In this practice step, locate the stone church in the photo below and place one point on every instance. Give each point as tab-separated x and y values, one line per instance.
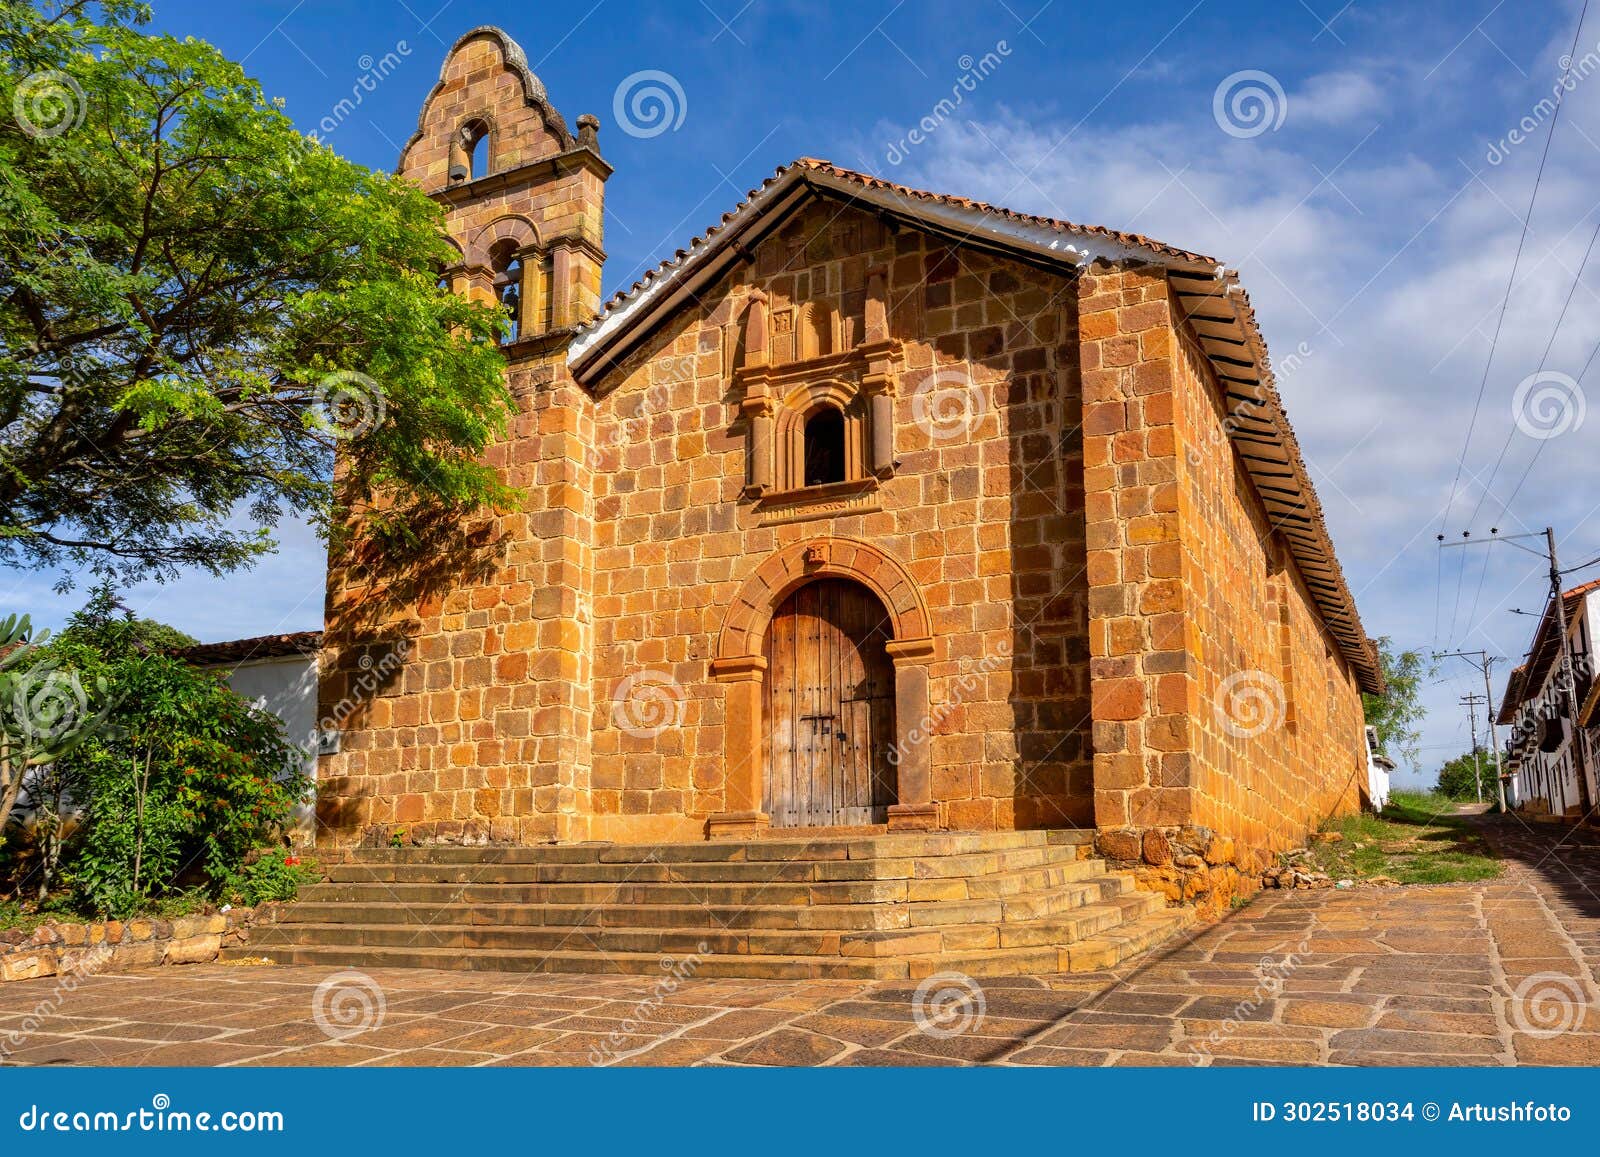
870	511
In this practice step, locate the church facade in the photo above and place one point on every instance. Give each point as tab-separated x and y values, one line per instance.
872	509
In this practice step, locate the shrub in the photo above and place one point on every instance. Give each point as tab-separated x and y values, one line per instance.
181	779
274	874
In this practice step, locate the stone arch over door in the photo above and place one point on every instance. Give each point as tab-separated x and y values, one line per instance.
741	665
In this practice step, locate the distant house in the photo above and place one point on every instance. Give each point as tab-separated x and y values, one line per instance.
1546	742
1379	768
277	673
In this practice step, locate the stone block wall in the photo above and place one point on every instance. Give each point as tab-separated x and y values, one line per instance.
464	705
77	950
1226	722
983	509
462	687
1278	731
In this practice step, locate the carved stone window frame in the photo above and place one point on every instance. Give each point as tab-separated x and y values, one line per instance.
776	400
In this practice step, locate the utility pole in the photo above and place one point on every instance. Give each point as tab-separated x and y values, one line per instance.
1580	758
1472	702
1568	676
1483	661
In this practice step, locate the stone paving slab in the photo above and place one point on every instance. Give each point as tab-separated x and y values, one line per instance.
1501	972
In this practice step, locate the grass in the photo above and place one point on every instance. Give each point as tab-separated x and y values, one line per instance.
16	915
1417	839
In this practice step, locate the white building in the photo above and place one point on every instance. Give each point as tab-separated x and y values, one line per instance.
277	673
1542	760
1379	768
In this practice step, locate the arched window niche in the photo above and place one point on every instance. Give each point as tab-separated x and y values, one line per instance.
472	151
506	266
824	447
821	437
817	408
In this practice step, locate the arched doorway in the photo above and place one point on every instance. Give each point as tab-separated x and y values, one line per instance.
830	708
741	666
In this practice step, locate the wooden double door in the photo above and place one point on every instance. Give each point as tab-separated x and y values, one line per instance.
830	708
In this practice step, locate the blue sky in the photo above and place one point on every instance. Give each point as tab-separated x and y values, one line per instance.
1374	218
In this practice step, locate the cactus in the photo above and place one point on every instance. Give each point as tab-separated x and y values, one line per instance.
44	711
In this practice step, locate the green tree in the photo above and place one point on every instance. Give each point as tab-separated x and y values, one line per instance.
201	306
180	773
190	774
1398	712
1460	777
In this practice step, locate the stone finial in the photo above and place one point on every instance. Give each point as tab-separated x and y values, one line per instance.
589	131
755	329
877	319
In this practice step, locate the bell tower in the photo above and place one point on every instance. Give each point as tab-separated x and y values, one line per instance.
482	730
525	197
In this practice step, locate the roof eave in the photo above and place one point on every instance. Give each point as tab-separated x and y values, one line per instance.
616	333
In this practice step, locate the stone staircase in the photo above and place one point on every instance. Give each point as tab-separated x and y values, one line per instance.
858	907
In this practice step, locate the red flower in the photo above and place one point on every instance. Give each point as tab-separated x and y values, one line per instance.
291	861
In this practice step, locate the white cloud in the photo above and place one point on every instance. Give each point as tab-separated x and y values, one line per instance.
1389	266
1337	98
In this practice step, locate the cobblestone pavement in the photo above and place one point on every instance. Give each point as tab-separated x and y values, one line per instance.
1496	973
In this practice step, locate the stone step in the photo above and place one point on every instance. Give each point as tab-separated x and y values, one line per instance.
578	960
370	865
485	905
1049	947
838	905
747	871
1105	950
530	884
1127	940
787	848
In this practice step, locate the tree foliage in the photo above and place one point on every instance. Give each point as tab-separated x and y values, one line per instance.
200	306
1398	713
175	778
1461	777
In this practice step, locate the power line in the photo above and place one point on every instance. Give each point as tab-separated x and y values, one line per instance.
1543	358
1539	449
1494	342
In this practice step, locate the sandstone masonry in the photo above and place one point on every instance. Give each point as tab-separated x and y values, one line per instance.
1010	439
